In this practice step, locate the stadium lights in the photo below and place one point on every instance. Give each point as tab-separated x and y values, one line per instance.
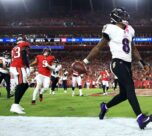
10	0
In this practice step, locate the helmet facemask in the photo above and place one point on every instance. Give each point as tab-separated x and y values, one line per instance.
119	15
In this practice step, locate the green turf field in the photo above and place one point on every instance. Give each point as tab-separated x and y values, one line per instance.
61	105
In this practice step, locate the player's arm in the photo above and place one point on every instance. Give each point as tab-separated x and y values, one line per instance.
25	58
96	50
98	79
1	63
33	63
51	67
136	55
107	73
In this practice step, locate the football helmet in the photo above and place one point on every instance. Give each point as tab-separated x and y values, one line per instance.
119	15
6	55
56	61
21	38
46	51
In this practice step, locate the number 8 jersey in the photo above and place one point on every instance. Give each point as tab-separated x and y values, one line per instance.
120	41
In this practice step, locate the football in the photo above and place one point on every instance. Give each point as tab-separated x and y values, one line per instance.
79	67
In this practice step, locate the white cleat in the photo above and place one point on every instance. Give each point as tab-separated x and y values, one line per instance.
15	108
21	108
105	93
73	94
65	91
53	92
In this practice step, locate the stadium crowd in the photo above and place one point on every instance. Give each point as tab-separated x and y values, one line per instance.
67	19
141	79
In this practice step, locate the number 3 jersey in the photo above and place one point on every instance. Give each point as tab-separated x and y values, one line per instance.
41	60
120	41
17	56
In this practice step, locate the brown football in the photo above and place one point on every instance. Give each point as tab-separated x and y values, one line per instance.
79	67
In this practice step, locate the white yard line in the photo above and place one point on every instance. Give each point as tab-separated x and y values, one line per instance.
70	126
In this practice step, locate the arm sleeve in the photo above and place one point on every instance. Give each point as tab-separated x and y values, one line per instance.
106	31
25	58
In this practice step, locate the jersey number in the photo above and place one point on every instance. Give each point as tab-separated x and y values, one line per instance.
126	47
16	52
43	63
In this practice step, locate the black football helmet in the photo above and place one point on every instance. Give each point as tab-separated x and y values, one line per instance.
57	61
119	15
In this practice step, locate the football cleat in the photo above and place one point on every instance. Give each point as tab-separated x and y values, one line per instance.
73	93
143	120
41	97
103	111
33	102
15	108
9	96
21	108
53	92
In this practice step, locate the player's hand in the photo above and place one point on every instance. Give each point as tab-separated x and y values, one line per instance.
31	69
146	68
46	64
28	72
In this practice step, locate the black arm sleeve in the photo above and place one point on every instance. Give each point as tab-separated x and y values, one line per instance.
25	58
106	36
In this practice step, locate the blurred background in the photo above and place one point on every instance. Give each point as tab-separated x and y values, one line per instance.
71	28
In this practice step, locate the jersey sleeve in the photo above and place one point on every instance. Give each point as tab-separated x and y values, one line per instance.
53	58
107	29
37	58
132	31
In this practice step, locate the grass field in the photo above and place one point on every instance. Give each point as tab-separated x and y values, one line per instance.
64	105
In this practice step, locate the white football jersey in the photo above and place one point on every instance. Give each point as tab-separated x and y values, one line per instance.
120	41
65	75
55	70
5	65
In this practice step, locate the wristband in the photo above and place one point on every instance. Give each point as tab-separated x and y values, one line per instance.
86	61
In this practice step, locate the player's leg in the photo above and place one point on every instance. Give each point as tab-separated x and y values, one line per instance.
65	86
53	85
73	84
104	87
20	76
131	96
24	83
46	84
1	78
114	101
39	83
79	81
125	80
7	80
107	86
